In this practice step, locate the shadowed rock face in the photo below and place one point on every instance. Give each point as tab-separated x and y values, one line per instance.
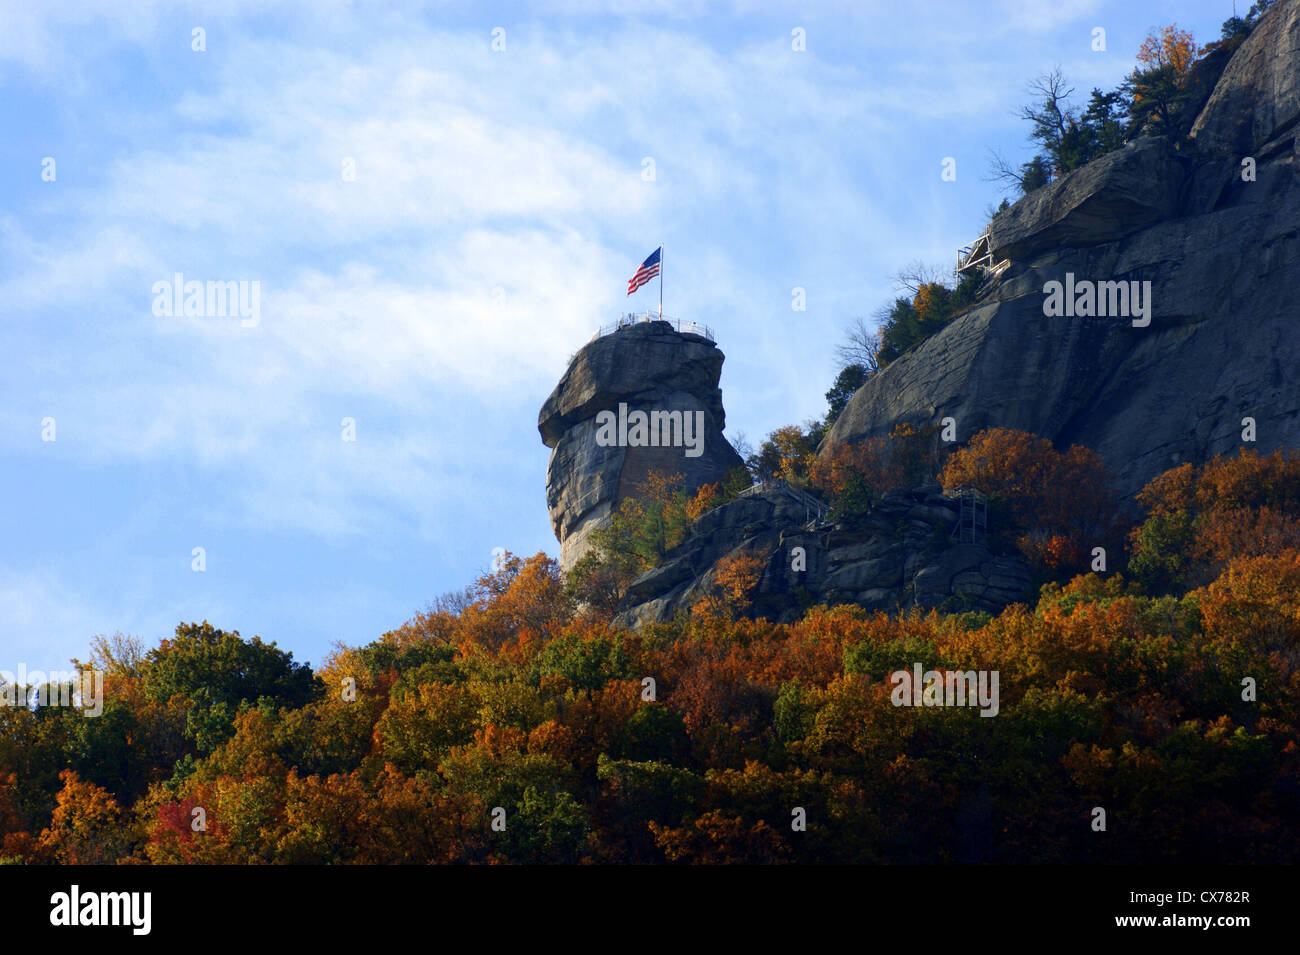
900	556
1223	259
649	367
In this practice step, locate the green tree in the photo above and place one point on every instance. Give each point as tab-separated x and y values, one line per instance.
1236	26
547	827
217	672
656	732
1101	127
584	662
847	382
230	669
1034	175
933	306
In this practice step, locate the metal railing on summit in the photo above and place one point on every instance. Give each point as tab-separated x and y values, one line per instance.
634	318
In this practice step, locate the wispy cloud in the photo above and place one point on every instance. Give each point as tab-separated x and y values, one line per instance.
498	206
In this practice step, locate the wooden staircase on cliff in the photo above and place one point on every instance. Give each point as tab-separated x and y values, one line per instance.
815	512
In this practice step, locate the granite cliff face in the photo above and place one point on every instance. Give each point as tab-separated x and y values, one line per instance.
1222	254
648	367
1207	231
902	555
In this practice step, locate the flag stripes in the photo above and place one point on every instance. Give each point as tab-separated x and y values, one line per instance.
648	270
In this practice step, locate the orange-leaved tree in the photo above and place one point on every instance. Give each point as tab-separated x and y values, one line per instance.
1168	47
1200	518
1158	84
1055	506
735	578
853	475
88	827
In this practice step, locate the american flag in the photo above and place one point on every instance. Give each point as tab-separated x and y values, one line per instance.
648	270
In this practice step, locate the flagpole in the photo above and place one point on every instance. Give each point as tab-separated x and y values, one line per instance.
661	282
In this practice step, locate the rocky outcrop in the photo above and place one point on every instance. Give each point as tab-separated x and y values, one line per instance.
1116	195
1258	96
1206	229
900	555
1221	254
646	367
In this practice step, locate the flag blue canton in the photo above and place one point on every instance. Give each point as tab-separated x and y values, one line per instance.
648	270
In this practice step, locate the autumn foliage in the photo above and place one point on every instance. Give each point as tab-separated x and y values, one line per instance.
702	740
1169	48
645	527
1198	519
1056	506
731	590
852	476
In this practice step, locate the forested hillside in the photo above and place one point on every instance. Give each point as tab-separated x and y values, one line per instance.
512	723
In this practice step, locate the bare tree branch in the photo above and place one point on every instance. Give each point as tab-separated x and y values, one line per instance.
1001	170
742	446
861	342
912	276
1051	115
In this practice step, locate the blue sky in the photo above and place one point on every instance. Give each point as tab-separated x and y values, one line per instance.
498	209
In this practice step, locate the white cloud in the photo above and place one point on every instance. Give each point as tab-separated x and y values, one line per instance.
497	209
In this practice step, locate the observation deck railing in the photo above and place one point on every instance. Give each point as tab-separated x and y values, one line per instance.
978	257
633	318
